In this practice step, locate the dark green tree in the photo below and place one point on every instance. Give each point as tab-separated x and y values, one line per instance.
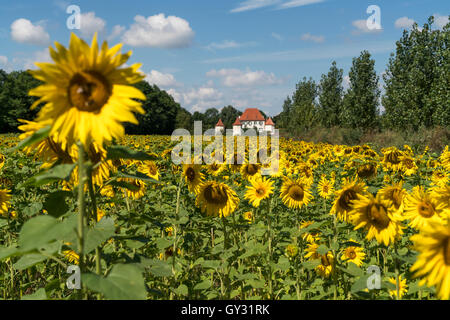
15	102
330	96
303	112
210	118
228	115
160	112
184	120
362	99
417	79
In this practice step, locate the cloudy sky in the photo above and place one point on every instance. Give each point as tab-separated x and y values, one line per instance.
212	53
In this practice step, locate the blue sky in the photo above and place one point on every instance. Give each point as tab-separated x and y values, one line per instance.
211	53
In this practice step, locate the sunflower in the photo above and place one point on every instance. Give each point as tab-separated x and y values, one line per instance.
192	176
71	256
392	158
248	216
260	189
149	168
311	251
367	170
403	287
343	202
291	250
215	169
440	177
325	268
4	201
295	193
138	188
433	262
408	166
353	254
311	236
86	95
378	216
442	195
2	161
394	193
216	199
250	170
325	188
421	208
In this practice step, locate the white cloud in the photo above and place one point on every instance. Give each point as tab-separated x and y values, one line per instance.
236	77
23	31
276	36
3	61
163	80
440	21
38	56
361	27
175	94
346	82
228	44
91	24
404	23
203	98
116	31
310	37
159	31
298	3
253	4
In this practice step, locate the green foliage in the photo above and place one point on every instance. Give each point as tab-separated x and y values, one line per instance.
417	79
361	100
330	97
15	102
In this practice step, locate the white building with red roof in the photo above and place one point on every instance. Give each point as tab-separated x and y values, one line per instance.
250	119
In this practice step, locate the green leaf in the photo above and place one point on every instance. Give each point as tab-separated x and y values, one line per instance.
158	268
59	172
29	260
322	249
360	284
309	265
205	284
124	282
55	204
7	252
138	175
182	290
122	152
102	231
34	232
36	137
124	185
40	294
163	243
33	209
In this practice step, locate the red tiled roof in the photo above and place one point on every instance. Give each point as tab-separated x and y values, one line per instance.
219	123
237	122
252	114
269	122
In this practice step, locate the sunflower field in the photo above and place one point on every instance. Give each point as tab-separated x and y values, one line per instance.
332	222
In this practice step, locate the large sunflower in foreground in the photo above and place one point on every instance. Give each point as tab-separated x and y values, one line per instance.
216	199
4	201
422	208
343	201
378	217
295	193
260	189
433	262
86	95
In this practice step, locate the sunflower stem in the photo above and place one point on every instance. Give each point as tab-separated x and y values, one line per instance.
98	266
81	205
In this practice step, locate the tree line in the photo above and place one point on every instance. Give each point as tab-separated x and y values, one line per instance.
416	94
416	83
